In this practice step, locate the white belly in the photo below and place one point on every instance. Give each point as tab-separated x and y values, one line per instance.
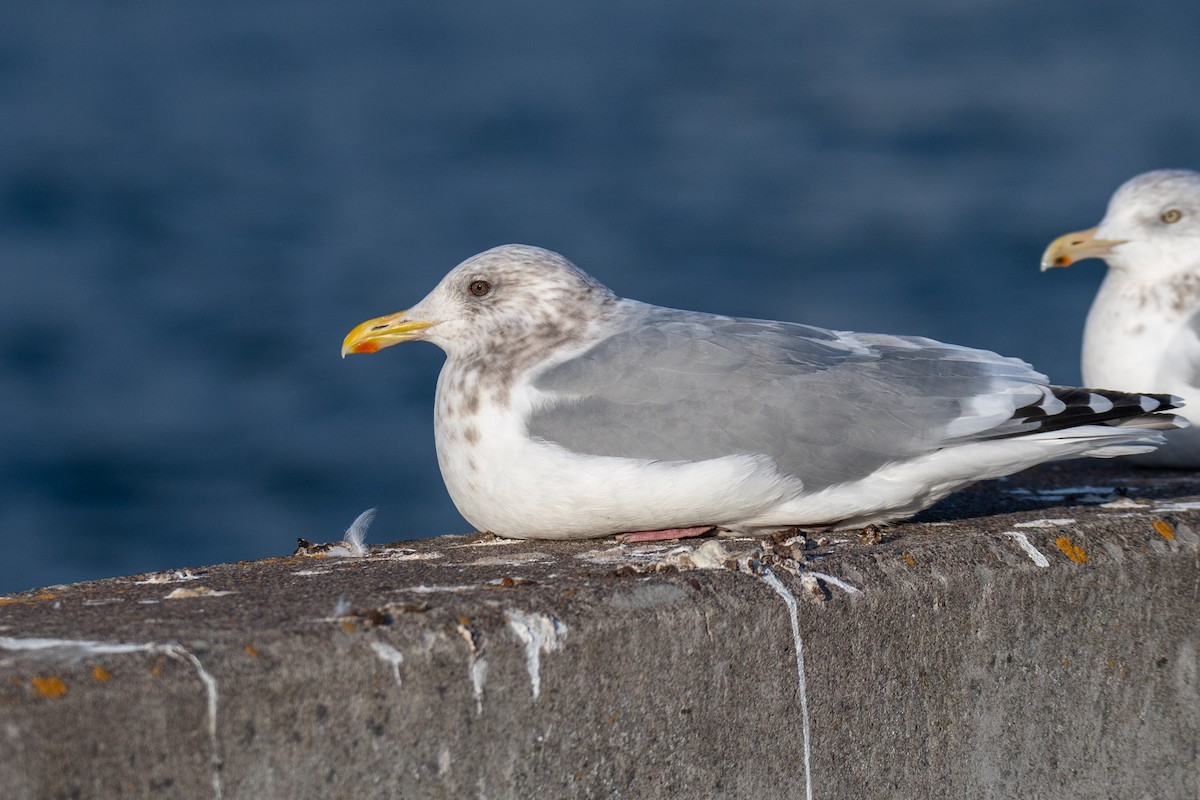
1137	342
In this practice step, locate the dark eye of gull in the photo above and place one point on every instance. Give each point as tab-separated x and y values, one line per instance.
1171	215
479	288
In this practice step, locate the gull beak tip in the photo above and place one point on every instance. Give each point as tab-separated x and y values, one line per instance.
375	334
1072	247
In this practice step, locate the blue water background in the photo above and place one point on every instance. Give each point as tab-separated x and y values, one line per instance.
198	200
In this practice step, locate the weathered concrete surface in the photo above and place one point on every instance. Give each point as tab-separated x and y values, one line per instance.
947	664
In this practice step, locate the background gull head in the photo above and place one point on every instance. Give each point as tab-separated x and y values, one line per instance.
1143	330
1151	229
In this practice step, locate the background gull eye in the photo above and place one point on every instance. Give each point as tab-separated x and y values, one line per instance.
479	288
1171	215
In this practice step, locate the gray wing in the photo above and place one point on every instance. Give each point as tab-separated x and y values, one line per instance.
827	406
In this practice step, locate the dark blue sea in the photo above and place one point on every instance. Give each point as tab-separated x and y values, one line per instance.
198	201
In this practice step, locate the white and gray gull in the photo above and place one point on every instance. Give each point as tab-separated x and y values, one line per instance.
566	412
1143	330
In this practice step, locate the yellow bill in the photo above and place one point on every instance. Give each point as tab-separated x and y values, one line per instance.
1069	248
376	334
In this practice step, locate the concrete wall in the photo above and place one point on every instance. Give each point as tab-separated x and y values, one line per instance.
1022	641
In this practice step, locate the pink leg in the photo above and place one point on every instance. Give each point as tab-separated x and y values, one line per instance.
669	533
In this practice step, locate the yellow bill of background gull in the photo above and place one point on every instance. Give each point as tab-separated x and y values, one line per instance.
565	412
1143	330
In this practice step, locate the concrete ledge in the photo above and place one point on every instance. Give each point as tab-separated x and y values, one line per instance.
1029	638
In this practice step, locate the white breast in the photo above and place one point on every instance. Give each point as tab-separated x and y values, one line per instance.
1137	339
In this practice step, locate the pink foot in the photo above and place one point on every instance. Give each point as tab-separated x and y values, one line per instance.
669	533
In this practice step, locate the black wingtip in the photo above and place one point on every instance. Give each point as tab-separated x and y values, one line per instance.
1071	406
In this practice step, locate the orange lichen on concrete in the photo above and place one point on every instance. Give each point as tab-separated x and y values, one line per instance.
908	559
251	650
49	687
1165	529
101	675
1072	551
37	598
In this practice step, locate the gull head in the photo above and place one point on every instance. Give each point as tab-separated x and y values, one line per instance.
499	300
1151	228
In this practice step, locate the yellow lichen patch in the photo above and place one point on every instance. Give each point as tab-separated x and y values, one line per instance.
101	675
1072	551
157	669
349	627
49	687
37	598
908	559
1165	529
251	650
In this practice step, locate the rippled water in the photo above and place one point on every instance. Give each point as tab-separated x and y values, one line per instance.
197	201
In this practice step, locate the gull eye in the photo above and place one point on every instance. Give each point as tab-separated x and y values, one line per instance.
1171	216
479	288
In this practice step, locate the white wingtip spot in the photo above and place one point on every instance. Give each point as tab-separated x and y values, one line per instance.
1050	403
1099	403
1148	403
